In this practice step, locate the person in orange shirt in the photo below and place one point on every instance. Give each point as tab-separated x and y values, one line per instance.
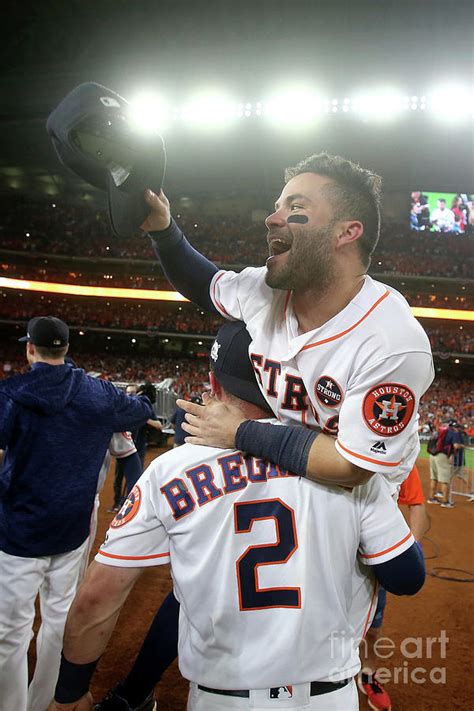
411	495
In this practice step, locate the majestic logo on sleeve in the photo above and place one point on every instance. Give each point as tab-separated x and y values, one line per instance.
388	408
328	392
129	509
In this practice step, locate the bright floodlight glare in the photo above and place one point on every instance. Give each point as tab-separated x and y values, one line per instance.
148	113
293	108
381	105
451	103
212	110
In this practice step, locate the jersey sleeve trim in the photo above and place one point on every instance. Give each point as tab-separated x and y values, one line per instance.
132	557
351	328
387	550
217	303
366	459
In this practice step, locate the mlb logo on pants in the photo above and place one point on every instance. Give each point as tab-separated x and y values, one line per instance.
281	692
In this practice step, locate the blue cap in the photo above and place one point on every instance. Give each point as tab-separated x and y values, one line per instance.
93	136
47	331
231	364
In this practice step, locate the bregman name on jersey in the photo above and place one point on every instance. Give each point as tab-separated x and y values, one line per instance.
235	471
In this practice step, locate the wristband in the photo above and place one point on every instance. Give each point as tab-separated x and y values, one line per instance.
286	446
73	680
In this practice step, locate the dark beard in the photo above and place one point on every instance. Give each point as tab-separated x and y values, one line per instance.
310	264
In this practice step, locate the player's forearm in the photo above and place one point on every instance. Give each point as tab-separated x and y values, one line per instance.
418	521
187	269
89	626
90	623
300	451
95	609
327	466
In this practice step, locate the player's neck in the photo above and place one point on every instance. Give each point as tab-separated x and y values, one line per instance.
314	308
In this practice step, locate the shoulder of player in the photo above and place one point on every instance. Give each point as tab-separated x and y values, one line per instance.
249	277
394	328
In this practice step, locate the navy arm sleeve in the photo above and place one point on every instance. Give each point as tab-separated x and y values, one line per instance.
403	575
129	411
187	269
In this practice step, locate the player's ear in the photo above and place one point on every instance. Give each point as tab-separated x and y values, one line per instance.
216	388
349	233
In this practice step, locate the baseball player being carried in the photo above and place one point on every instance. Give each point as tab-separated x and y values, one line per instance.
333	349
276	575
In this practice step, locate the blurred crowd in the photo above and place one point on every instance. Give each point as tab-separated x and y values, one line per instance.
446	337
160	317
52	228
448	397
189	375
55	229
152	316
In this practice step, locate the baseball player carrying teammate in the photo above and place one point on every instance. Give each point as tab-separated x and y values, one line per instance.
333	349
274	573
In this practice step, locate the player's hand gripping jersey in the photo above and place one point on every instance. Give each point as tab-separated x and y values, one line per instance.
360	376
262	563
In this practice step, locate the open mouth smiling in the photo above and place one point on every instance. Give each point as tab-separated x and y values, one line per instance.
277	246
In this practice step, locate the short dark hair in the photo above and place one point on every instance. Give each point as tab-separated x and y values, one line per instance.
52	353
355	195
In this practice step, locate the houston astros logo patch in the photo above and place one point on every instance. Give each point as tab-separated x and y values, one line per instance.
388	408
328	392
129	508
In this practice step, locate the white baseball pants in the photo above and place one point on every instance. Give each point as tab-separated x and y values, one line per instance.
55	579
345	699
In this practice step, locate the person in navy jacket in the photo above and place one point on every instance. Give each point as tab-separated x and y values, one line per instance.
55	426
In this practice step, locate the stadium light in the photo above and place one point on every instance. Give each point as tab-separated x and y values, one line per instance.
292	108
451	102
97	291
149	113
212	109
383	105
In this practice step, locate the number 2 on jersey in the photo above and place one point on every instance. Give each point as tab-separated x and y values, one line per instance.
251	597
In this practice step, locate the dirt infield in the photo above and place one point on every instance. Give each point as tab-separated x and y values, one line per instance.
427	671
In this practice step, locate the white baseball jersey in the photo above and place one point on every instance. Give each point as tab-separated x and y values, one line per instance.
361	375
268	568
